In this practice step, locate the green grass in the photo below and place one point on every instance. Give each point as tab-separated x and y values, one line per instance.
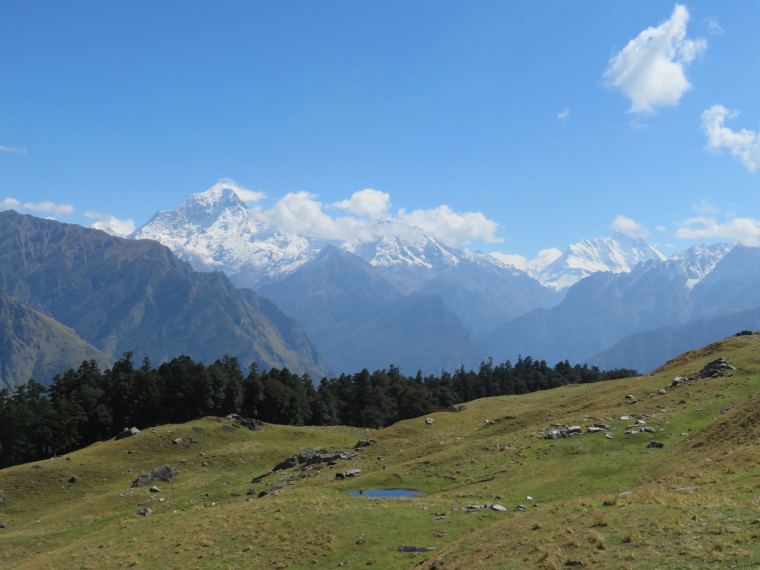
458	460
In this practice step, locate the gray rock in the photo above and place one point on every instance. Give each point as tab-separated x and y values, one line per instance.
145	512
177	441
648	429
429	421
498	508
3	525
154	489
72	480
127	432
1	497
163	473
352	472
655	444
406	548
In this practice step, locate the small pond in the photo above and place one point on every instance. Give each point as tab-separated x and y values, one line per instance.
403	493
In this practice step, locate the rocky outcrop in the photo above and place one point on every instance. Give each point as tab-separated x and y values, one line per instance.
163	473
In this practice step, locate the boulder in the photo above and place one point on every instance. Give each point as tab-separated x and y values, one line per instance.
127	432
163	473
145	512
655	444
429	421
498	508
352	472
406	548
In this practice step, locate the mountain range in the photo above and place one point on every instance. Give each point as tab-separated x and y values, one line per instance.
355	299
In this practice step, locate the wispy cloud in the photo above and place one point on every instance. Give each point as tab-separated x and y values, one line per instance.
10	204
243	193
744	230
12	149
110	224
743	144
50	207
650	69
714	28
629	227
564	114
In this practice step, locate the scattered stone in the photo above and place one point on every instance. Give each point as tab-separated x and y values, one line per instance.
73	480
655	444
154	489
429	421
608	435
685	489
630	397
648	429
247	423
406	548
145	512
441	517
594	429
352	472
498	508
625	418
625	494
177	441
724	410
127	432
251	492
574	563
662	391
1	497
521	508
362	443
192	440
314	456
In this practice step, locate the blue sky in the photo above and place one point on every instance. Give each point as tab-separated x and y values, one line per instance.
512	127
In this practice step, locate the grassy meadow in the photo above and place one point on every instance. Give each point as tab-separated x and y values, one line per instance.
693	503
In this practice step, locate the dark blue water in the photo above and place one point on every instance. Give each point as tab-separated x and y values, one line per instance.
386	493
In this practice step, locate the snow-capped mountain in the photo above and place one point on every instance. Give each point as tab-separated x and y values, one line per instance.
618	254
214	231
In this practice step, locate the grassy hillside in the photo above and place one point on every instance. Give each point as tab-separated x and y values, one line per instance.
692	503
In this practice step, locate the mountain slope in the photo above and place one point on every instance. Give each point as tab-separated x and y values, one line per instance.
34	346
123	295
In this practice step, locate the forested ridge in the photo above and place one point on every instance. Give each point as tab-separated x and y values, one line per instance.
86	405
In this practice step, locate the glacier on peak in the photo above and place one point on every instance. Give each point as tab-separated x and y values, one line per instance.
617	254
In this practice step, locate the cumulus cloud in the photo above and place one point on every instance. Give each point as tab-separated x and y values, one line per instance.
302	213
628	227
11	149
650	70
544	258
243	193
10	204
743	144
51	207
744	230
111	224
367	202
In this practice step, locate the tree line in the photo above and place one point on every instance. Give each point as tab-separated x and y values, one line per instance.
86	405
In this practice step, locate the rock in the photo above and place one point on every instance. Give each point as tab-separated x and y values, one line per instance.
574	563
498	508
192	440
684	489
417	548
574	429
724	410
608	435
154	489
127	432
145	512
630	397
314	456
163	473
648	429
429	421
72	480
553	434
177	441
1	497
662	391
593	429
362	443
655	444
625	494
352	472
3	525
625	418
521	508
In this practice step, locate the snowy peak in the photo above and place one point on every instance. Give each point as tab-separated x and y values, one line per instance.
618	254
699	260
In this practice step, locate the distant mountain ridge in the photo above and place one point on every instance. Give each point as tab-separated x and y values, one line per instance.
596	294
122	295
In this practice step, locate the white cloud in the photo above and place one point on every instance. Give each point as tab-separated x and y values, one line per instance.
628	227
513	259
302	213
450	226
744	230
743	144
61	209
10	204
714	27
705	208
243	193
11	149
661	229
366	202
564	114
650	69
111	224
